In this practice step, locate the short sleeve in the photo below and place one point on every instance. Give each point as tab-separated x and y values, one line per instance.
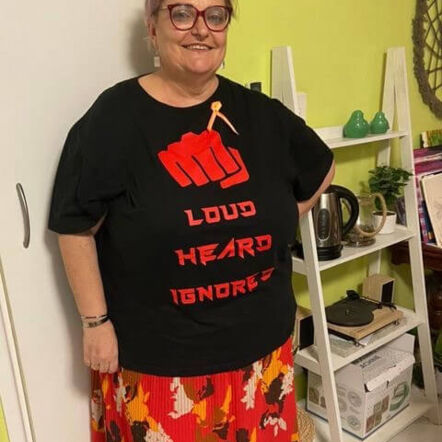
311	158
90	173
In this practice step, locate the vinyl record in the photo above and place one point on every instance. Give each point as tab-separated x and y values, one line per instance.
349	314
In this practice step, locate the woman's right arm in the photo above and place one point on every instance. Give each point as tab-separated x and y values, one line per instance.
79	253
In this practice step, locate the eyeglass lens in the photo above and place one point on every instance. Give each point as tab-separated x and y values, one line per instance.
185	16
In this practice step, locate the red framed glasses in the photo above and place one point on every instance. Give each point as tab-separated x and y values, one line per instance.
184	16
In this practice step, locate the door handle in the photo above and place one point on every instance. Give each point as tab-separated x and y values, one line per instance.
24	206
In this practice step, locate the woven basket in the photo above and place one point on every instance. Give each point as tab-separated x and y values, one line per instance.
305	426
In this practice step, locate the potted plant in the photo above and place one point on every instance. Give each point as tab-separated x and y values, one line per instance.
389	181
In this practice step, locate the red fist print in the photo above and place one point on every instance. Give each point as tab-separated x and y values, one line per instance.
200	159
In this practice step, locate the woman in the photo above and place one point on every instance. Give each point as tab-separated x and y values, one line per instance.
176	200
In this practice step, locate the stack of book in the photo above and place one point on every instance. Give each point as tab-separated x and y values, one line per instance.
428	175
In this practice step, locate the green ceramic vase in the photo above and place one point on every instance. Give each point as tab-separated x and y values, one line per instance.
356	126
379	124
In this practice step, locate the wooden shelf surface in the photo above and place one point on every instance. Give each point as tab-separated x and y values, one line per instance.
349	253
308	357
334	139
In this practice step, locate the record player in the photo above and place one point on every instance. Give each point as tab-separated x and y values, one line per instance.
355	317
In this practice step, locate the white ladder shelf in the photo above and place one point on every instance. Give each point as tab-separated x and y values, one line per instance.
319	358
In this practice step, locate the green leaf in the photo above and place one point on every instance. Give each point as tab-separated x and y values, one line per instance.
389	181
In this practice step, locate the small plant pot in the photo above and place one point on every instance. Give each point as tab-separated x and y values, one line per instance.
390	222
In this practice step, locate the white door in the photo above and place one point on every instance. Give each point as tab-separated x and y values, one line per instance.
56	56
12	396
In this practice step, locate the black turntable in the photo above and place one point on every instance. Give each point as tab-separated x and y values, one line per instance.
355	317
352	311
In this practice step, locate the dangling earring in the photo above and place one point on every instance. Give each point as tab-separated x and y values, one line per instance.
156	56
153	51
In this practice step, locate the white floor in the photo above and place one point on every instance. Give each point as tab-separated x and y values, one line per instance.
422	431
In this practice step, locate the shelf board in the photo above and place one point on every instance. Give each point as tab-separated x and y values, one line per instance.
349	253
417	408
334	139
308	357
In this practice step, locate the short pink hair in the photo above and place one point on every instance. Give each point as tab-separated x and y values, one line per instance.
151	8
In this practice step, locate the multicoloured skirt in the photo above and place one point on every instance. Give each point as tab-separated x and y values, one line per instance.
252	404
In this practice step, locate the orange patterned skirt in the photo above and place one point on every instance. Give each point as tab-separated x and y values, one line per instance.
252	404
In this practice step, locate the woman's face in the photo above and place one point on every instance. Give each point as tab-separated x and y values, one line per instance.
198	51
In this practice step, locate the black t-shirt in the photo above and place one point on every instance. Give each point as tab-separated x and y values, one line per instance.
194	251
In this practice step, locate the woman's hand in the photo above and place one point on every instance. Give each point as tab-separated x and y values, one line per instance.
100	348
305	206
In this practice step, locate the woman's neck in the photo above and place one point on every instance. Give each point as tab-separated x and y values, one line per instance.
178	90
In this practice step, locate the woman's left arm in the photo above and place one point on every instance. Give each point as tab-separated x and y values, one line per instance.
305	206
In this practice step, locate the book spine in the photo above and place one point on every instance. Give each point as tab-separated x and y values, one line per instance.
428	167
420	209
430	232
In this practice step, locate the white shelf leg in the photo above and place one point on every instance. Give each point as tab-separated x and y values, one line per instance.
388	106
426	352
320	325
374	263
416	262
283	78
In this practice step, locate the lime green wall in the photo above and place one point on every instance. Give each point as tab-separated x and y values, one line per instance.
3	432
339	54
338	49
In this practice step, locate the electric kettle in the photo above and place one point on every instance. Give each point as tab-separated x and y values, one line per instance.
330	228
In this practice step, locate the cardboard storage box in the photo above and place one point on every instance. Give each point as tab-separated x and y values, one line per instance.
370	390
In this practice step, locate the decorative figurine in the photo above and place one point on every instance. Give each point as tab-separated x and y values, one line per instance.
379	124
356	126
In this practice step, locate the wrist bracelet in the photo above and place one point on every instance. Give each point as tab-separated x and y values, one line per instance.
95	323
93	317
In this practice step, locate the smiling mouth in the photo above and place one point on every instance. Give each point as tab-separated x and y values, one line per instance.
197	47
